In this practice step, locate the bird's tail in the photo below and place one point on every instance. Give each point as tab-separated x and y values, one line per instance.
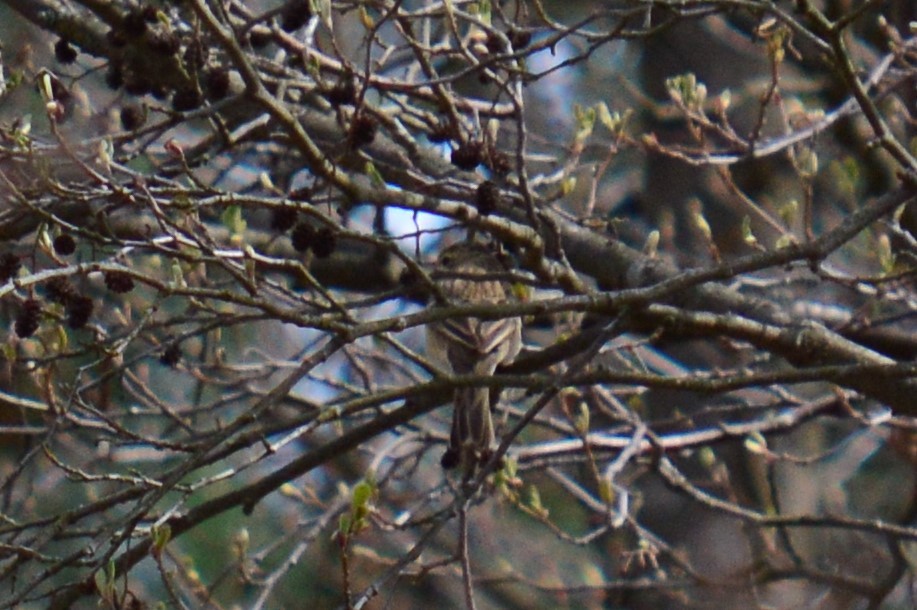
472	436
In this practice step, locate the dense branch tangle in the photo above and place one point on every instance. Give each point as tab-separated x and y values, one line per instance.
216	248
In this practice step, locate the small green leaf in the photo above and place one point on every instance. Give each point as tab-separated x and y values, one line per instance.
747	234
534	501
240	542
232	219
784	241
102	585
511	466
344	524
700	221
484	11
362	494
852	169
777	40
161	535
789	211
886	256
651	245
567	185
706	457
322	8
313	67
807	162
106	150
606	491
366	19
685	90
46	91
44	237
585	122
582	419
178	277
62	340
374	176
605	116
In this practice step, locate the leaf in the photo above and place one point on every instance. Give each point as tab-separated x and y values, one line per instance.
366	19
807	162
700	221
161	535
484	11
651	245
322	8
178	276
567	185
606	491
706	457
241	542
344	525
605	116
585	122
362	494
747	234
232	219
62	339
534	500
44	237
886	256
582	419
374	176
46	90
785	240
106	151
102	585
789	212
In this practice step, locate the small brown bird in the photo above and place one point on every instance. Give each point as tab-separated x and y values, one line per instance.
471	346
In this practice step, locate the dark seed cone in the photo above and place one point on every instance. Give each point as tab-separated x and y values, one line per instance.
79	310
119	282
27	322
467	156
59	290
132	117
487	197
9	266
295	15
216	82
186	99
303	236
135	24
171	355
64	52
363	130
325	242
114	78
164	43
283	219
64	244
344	92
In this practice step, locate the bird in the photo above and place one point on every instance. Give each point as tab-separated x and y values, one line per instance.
472	346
